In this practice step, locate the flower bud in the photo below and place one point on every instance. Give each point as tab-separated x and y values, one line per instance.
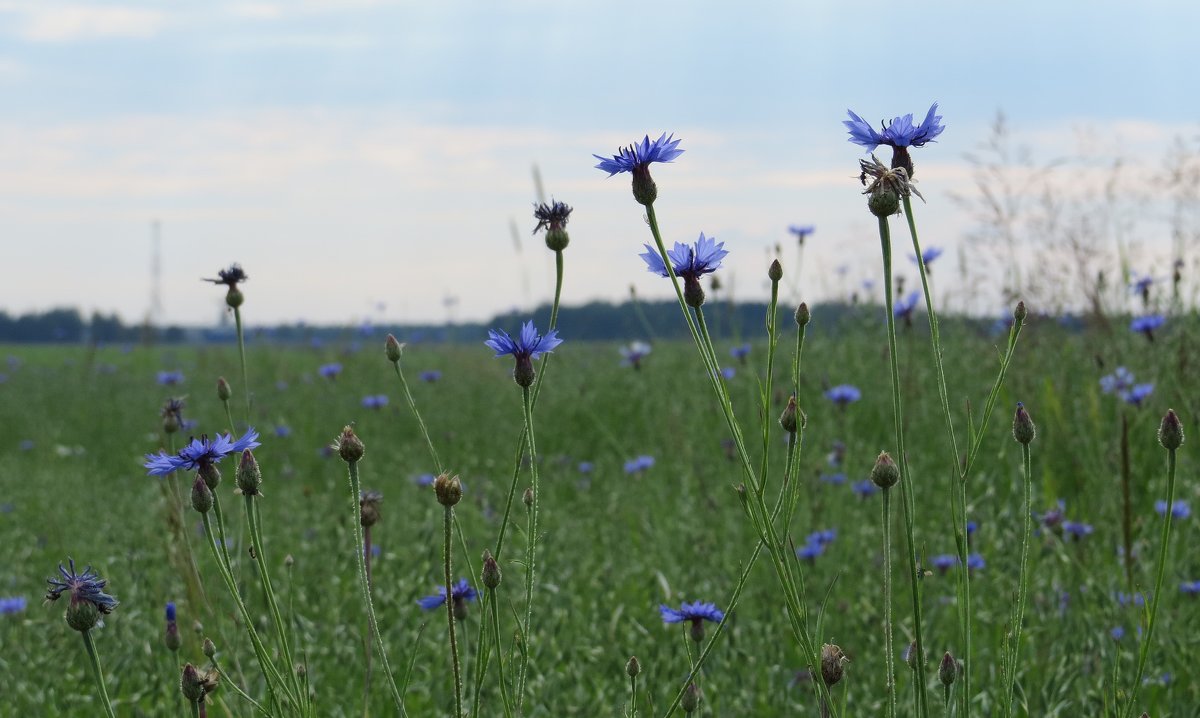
209	648
633	667
170	422
884	203
234	297
392	348
191	685
691	698
491	570
788	418
644	189
1023	429
911	656
224	391
775	271
802	314
557	239
249	476
1170	432
202	496
833	663
1019	313
171	637
82	614
947	670
289	560
693	293
523	372
448	489
349	446
527	497
368	508
885	474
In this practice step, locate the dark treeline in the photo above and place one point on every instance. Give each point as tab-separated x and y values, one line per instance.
593	321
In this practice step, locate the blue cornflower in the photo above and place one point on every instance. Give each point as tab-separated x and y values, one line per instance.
86	591
740	352
837	455
633	354
377	401
460	591
821	537
903	308
810	551
835	479
801	231
972	527
1125	599
1076	530
200	452
944	562
25	445
975	562
927	256
424	480
1141	285
898	133
430	376
1118	382
1117	633
843	394
865	488
1188	588
283	431
170	612
12	604
586	467
1137	394
1052	518
728	372
639	464
1179	508
690	263
1147	324
170	378
694	612
528	345
330	371
636	157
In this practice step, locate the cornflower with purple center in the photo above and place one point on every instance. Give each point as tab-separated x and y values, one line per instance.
975	562
899	134
695	613
86	591
689	263
1119	382
377	401
430	376
903	308
1137	394
1147	324
170	378
528	345
639	464
330	371
12	604
865	488
943	562
1179	509
927	256
843	394
633	354
801	231
740	352
636	159
1076	530
200	453
460	593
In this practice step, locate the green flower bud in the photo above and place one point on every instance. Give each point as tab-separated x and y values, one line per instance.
491	570
82	614
224	391
691	698
833	663
557	239
802	314
775	271
202	496
1020	313
249	476
884	203
1023	429
392	348
788	418
527	497
209	648
1170	432
633	667
947	670
885	474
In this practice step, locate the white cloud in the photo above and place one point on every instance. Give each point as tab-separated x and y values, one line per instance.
65	23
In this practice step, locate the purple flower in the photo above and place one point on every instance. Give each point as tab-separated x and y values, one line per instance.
1179	508
638	156
378	401
461	591
694	612
229	277
13	604
944	562
1125	599
170	378
690	263
86	586
1137	394
975	562
903	308
1189	588
865	488
810	551
728	372
200	452
528	344
1054	517
1148	323
1117	633
170	612
1119	382
1076	530
801	231
927	256
430	376
740	352
633	354
282	431
424	480
639	464
843	394
1141	285
551	216
835	479
900	132
330	371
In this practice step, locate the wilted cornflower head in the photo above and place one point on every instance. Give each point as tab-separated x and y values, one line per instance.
330	371
172	415
461	591
200	452
229	277
12	604
551	216
1179	508
368	507
694	612
837	454
689	262
843	394
170	378
638	156
86	589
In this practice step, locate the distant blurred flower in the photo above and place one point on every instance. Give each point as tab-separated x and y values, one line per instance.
1118	382
740	352
378	401
282	431
26	445
1179	508
903	308
1117	633
927	256
864	488
170	378
1147	324
1052	518
330	371
843	394
972	527
639	464
633	354
1190	588
835	479
1073	529
1141	285
229	277
199	452
728	372
975	562
430	376
837	455
1126	599
801	231
694	612
944	562
14	604
461	591
815	543
586	467
639	155
1138	394
424	480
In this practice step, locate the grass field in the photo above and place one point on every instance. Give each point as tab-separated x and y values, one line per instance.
615	545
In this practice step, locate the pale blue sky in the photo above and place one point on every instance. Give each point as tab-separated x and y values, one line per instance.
352	152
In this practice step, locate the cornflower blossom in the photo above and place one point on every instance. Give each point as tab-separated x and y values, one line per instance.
283	431
170	378
1137	394
1188	588
12	604
740	352
975	562
636	160
585	467
1117	633
200	452
835	479
639	464
865	488
944	562
430	376
899	134
1125	599
527	346
1147	324
377	401
801	231
1141	285
460	591
927	256
86	591
689	263
1053	518
693	612
728	373
1076	530
330	371
1119	382
903	308
229	277
1179	509
633	354
843	394
424	480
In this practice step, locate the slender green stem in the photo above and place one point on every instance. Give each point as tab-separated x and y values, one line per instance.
531	553
1010	676
412	404
448	523
1164	543
633	697
558	282
906	502
229	417
98	672
360	560
238	690
772	342
495	618
195	709
888	648
237	320
260	560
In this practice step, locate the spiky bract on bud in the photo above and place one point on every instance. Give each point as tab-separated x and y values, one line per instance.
349	446
249	475
1170	432
775	271
368	507
884	203
947	670
833	664
194	685
1020	312
885	474
210	474
209	648
224	391
788	419
202	496
392	348
803	315
633	667
690	699
448	489
1023	429
553	218
490	575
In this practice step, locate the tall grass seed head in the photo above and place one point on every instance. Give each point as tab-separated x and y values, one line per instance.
885	474
1170	432
349	446
947	670
803	315
448	489
833	664
553	218
1023	429
202	495
249	475
224	391
775	271
392	348
86	593
788	419
368	507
